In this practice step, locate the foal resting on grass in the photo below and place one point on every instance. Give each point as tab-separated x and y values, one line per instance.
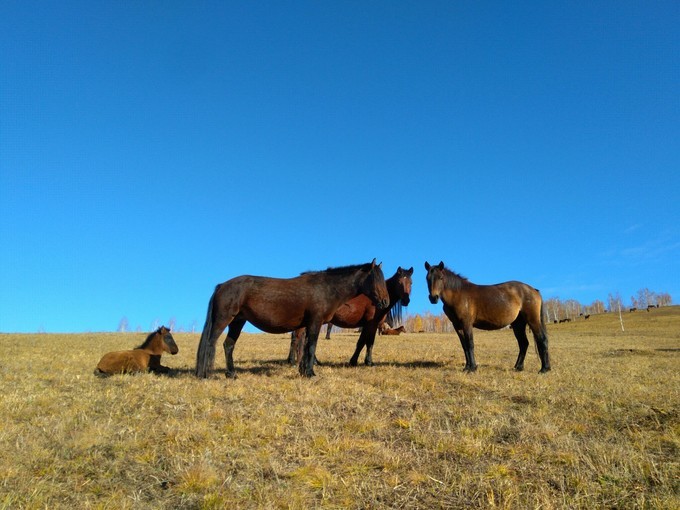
146	357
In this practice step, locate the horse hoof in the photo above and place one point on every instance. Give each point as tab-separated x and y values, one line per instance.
369	364
544	370
352	363
231	375
519	369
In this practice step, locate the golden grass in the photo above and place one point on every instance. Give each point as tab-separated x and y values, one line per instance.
601	430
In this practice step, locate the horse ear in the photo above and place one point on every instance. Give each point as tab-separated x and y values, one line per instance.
373	264
441	265
427	266
410	271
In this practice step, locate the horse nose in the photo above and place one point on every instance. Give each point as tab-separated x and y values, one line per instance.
405	300
434	299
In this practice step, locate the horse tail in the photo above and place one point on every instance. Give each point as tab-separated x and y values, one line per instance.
205	355
544	331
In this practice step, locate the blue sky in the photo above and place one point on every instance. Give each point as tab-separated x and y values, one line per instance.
149	150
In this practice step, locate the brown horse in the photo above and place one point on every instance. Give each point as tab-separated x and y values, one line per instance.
396	331
145	357
277	305
489	307
361	312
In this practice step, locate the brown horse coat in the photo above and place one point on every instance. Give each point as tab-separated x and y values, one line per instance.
362	312
277	305
146	357
489	307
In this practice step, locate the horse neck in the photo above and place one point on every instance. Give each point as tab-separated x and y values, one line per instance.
393	289
455	282
349	285
156	346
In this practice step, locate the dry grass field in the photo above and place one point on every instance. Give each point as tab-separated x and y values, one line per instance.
601	430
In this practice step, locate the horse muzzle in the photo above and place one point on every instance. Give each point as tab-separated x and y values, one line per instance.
434	299
405	301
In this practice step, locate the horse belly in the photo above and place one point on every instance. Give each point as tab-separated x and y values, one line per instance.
275	320
490	326
356	312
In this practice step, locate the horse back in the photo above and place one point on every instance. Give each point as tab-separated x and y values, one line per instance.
275	305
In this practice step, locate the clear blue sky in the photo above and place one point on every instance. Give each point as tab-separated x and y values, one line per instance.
149	150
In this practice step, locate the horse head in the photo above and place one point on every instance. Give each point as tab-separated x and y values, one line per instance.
435	281
404	285
374	286
169	344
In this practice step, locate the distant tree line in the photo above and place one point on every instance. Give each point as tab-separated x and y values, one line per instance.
171	324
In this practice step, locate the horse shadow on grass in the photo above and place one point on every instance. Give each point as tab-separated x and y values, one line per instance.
270	367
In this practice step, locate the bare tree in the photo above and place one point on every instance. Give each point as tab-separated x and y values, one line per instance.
123	325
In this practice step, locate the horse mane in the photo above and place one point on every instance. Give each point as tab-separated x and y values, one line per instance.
149	338
394	315
454	279
341	270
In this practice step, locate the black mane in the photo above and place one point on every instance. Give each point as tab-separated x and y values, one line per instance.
149	338
341	270
394	315
454	279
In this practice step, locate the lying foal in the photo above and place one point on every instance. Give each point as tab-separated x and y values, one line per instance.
146	357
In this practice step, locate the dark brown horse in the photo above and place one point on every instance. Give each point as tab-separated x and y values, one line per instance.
278	305
396	331
361	312
489	307
145	357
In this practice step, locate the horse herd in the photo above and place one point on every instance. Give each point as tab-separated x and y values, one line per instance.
348	297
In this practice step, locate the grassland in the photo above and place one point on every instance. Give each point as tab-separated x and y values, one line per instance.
601	430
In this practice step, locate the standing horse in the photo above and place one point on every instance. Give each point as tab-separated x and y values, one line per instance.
360	312
145	357
489	307
278	305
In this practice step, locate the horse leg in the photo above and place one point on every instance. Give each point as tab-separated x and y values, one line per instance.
354	360
464	345
233	333
306	366
467	341
519	327
368	332
155	365
328	332
295	346
471	349
541	339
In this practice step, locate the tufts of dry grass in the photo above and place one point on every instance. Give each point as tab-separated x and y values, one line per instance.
601	430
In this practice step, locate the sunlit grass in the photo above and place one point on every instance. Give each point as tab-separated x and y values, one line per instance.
601	430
